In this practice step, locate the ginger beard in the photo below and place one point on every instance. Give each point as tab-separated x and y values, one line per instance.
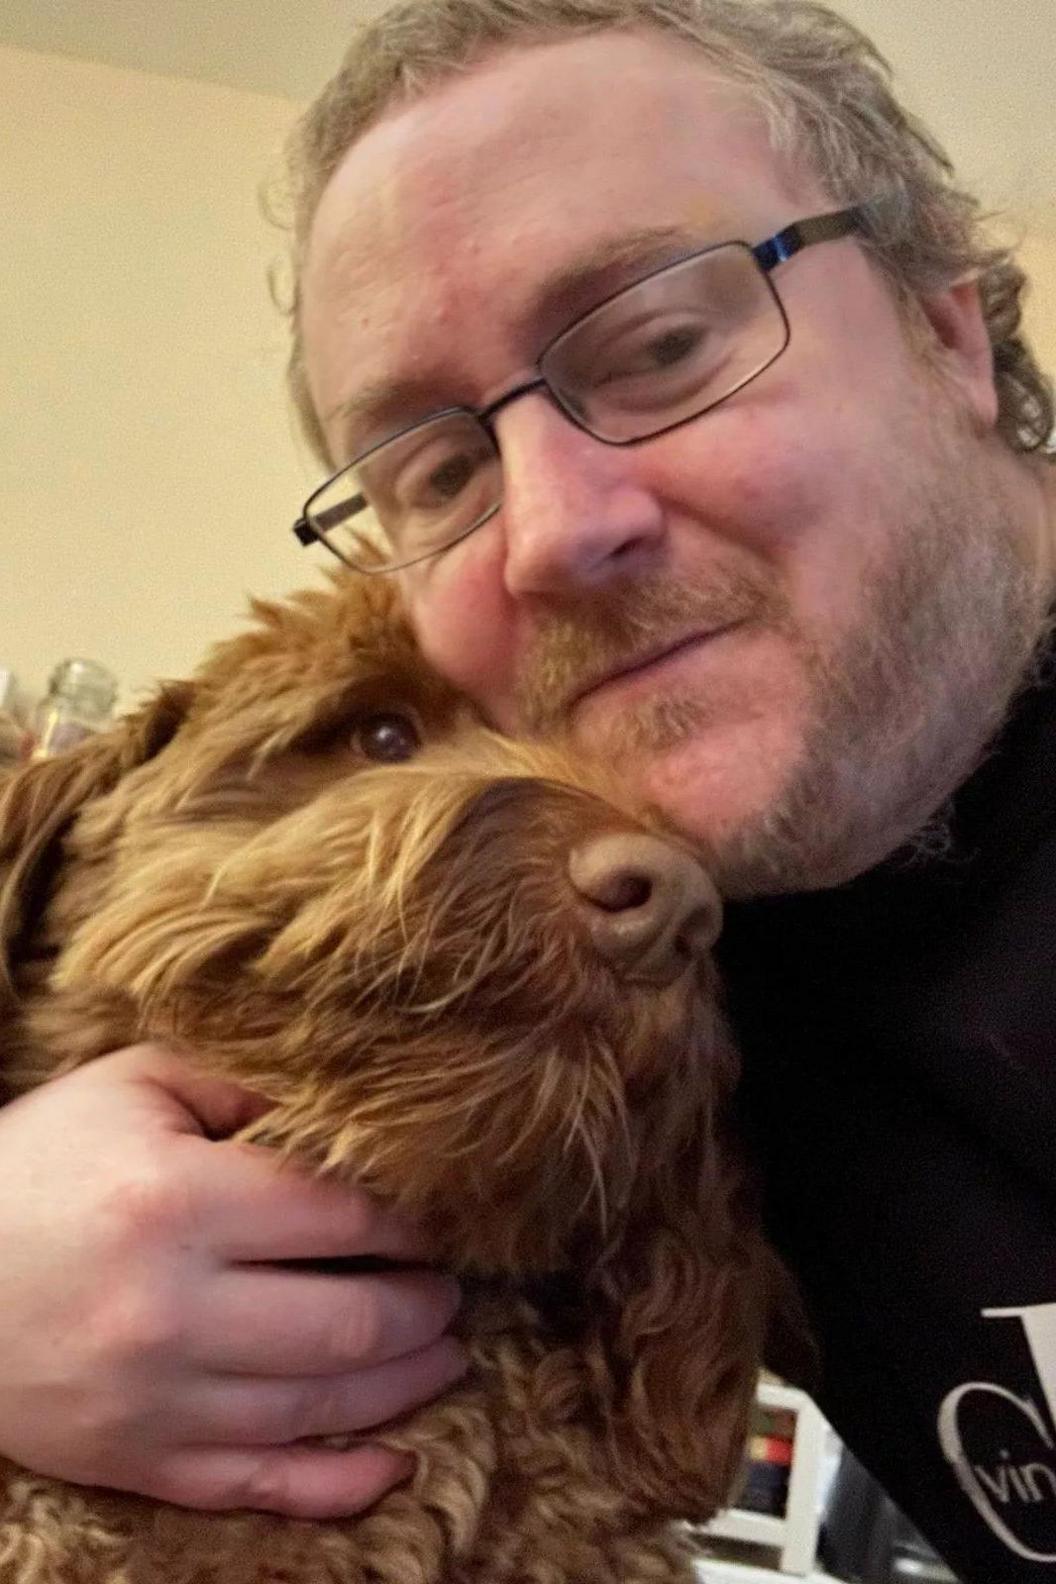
900	706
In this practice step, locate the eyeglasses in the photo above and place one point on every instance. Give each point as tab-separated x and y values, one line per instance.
655	355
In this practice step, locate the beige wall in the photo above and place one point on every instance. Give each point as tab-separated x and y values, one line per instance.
1038	254
148	470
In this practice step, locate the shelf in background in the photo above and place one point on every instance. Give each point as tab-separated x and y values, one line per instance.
792	1536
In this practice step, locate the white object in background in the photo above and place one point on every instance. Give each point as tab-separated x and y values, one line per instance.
714	1571
794	1535
8	691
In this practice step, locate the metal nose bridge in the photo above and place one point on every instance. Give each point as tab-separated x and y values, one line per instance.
486	415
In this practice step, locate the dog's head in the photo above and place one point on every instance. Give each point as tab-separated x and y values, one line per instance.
466	971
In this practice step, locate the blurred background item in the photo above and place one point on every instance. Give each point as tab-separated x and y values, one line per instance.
79	701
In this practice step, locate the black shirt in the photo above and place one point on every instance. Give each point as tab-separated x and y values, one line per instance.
900	1046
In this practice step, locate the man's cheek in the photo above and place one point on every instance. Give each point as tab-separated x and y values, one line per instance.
466	630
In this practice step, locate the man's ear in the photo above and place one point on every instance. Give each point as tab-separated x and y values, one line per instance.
39	802
958	345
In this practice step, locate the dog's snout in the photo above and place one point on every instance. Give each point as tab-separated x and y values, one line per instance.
650	906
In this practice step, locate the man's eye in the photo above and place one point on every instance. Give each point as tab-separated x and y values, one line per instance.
432	481
674	345
654	349
387	739
447	480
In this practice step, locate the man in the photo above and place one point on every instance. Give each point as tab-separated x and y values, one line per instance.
695	419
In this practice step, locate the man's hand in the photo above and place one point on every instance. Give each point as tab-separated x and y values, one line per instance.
147	1340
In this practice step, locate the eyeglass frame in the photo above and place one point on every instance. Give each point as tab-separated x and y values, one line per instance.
768	254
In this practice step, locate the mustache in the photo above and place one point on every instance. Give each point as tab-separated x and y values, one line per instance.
609	631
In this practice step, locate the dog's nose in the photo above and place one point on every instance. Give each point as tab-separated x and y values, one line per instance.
650	906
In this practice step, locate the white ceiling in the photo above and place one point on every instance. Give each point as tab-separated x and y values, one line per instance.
982	74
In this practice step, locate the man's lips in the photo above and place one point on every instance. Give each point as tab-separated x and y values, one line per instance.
644	662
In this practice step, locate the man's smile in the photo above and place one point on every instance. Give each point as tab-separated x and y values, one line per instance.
627	675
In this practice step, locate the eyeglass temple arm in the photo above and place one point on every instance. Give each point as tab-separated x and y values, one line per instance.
306	533
823	228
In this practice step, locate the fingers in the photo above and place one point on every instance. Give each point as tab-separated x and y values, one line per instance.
247	1203
259	1208
300	1482
187	1375
298	1323
242	1412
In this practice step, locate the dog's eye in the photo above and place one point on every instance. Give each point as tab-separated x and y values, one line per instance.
388	739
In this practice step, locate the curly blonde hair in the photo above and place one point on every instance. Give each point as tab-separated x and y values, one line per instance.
823	87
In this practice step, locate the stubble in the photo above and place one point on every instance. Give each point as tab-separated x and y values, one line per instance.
901	708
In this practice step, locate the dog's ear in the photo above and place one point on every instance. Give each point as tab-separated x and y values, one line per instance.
687	1301
39	802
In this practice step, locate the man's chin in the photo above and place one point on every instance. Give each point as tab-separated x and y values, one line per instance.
718	787
767	818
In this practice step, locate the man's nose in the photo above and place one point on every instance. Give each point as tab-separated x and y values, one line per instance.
575	511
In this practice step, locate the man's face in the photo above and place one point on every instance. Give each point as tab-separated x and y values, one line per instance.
770	615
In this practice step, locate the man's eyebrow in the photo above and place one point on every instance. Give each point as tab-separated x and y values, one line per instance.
600	270
384	403
617	261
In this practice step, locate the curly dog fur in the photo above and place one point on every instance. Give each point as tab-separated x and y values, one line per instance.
392	954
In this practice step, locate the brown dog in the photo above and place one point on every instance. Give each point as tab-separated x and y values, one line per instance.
471	975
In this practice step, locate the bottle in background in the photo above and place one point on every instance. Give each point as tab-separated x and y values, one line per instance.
14	736
79	701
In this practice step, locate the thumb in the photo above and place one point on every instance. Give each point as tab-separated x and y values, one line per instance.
186	1098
